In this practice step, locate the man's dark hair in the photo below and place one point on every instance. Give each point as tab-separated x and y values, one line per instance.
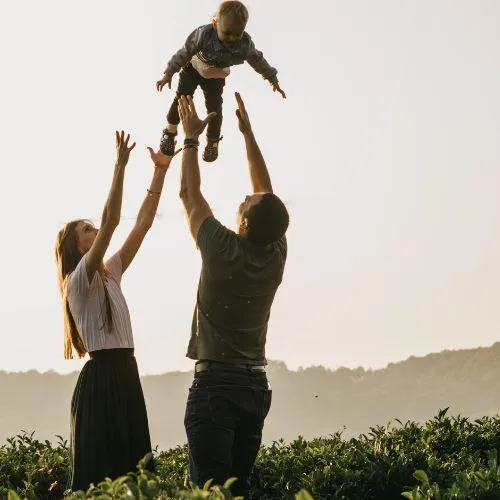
267	221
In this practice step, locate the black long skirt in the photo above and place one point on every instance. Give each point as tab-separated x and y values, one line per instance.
109	423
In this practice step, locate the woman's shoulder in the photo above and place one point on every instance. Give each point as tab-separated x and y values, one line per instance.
78	282
114	267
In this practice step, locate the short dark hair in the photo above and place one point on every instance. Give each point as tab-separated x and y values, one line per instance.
267	220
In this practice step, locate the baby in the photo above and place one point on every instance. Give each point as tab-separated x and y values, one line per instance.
205	60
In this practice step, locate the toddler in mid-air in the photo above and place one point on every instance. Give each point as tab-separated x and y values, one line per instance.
205	60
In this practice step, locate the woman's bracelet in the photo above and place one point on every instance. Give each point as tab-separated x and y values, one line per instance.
190	146
191	142
151	193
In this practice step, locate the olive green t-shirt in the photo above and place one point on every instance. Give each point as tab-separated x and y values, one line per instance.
237	285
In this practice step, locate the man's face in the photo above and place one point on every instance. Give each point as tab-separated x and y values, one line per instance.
229	30
249	201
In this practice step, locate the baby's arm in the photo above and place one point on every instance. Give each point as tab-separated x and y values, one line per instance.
179	59
256	59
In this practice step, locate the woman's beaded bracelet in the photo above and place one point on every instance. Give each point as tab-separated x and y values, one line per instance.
151	193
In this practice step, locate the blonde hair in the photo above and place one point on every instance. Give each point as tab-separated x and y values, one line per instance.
236	10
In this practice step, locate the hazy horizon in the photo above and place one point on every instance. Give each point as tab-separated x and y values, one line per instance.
385	151
271	363
351	401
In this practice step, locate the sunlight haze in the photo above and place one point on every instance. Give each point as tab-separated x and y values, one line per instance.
386	152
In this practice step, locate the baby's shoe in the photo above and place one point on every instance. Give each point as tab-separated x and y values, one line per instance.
211	150
167	143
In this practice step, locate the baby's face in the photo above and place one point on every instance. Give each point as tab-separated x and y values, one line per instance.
228	30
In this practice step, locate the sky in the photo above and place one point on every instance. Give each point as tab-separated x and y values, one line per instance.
385	151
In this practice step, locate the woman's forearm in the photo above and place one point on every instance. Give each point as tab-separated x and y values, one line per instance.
112	208
149	206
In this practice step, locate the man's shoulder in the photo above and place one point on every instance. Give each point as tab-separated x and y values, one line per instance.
277	252
212	224
215	238
282	244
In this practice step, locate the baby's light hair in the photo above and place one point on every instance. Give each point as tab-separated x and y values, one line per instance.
235	9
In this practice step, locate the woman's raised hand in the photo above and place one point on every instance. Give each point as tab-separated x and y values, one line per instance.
122	148
161	160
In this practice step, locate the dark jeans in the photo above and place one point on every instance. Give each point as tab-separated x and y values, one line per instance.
224	418
189	79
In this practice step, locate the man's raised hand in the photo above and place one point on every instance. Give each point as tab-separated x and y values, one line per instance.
191	123
243	118
122	149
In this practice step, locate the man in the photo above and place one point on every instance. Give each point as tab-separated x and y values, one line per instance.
241	271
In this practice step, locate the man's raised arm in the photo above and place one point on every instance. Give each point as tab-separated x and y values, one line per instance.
259	175
197	208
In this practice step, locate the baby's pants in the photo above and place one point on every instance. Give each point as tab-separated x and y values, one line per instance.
189	79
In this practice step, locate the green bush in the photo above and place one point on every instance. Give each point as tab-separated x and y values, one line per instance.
33	468
445	458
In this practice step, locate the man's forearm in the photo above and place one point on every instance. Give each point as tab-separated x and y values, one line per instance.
259	175
190	174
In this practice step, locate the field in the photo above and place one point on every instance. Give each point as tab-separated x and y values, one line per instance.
445	458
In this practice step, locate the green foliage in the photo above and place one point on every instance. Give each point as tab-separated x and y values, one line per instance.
33	468
446	458
482	482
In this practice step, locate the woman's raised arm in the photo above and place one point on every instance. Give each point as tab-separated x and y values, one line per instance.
147	212
112	209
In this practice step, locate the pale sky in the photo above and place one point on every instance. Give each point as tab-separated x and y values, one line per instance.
386	152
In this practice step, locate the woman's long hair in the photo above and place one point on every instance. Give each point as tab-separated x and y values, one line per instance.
68	256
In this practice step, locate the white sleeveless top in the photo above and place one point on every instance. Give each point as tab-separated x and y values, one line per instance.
87	304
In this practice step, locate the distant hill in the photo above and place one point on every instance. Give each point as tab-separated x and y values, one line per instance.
309	402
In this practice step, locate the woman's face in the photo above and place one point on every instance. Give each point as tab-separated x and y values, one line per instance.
85	235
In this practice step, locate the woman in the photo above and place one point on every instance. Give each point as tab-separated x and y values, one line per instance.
109	425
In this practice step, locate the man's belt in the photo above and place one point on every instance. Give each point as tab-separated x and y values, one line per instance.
202	366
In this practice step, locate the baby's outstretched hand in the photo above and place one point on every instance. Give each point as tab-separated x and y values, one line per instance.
161	83
276	87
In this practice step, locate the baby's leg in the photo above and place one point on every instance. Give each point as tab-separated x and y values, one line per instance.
189	79
212	88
